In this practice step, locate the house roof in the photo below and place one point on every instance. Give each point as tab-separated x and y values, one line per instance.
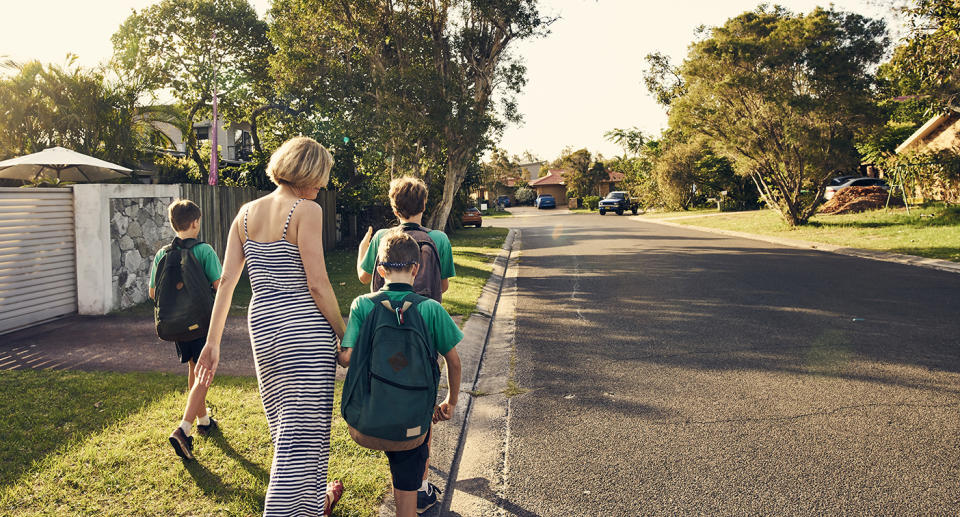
925	130
555	177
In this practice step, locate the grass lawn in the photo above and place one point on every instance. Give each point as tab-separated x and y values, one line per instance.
679	213
886	230
82	443
474	250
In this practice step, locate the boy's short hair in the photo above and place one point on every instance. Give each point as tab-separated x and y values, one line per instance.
183	213
300	162
408	196
398	251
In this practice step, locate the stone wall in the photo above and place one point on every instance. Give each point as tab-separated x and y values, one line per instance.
138	228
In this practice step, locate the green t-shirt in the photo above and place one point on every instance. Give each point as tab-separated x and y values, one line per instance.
205	254
444	331
439	238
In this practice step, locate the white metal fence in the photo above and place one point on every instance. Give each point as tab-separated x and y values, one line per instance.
38	271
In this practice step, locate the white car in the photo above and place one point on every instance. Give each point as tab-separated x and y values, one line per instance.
854	182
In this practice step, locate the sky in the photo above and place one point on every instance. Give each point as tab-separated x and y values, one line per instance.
583	79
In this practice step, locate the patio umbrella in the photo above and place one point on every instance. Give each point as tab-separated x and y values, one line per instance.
58	162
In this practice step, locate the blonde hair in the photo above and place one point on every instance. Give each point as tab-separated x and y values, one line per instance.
300	162
408	196
183	213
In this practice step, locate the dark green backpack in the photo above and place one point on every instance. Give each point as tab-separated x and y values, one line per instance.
390	391
183	299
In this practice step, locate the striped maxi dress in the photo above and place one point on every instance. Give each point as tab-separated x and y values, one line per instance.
293	348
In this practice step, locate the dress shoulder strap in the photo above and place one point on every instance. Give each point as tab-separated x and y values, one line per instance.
246	236
289	216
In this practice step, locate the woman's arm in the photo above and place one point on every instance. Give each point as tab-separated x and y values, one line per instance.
232	269
310	242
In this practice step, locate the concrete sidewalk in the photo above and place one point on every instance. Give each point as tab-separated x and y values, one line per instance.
118	343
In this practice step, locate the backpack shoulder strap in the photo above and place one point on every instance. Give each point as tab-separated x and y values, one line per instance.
189	243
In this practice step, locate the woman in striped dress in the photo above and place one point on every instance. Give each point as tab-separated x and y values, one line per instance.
294	322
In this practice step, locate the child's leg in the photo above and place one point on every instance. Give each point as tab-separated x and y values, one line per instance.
406	502
197	399
406	469
426	468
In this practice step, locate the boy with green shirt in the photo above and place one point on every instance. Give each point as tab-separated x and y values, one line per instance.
185	220
399	256
408	198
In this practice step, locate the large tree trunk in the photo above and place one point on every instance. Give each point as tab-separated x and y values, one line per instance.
458	159
192	139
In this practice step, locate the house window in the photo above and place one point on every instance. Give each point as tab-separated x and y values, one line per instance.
203	133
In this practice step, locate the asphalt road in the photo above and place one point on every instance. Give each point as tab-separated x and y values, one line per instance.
675	372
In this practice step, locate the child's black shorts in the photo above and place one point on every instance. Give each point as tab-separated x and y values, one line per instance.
406	467
190	350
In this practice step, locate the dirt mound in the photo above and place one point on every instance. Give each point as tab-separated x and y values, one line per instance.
858	199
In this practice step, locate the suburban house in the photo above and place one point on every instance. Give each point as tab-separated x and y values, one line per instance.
234	140
940	133
530	171
553	183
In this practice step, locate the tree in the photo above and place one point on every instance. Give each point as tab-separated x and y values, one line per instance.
928	62
72	107
784	96
191	47
498	171
417	78
631	140
663	79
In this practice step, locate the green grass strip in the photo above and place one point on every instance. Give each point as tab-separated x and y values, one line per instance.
86	443
932	231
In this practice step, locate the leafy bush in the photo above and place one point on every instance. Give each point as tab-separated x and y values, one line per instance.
525	195
591	202
173	169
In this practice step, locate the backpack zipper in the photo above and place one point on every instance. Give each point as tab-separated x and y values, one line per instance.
398	385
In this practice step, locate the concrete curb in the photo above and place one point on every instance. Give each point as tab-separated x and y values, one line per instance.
448	437
884	256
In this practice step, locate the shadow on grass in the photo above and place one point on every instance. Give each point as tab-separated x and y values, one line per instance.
255	470
45	412
213	486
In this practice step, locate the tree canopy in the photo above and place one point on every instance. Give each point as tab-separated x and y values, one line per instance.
73	107
784	96
190	48
412	81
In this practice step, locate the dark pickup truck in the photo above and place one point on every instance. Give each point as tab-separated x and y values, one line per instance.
619	202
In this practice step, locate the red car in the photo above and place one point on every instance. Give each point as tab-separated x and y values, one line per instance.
471	216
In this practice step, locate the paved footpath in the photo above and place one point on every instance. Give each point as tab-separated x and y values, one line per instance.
667	371
115	343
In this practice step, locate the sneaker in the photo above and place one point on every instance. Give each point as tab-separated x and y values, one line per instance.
204	430
426	499
182	444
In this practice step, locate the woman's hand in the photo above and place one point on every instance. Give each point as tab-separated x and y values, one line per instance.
207	363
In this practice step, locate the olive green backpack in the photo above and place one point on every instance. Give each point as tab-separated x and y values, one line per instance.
390	391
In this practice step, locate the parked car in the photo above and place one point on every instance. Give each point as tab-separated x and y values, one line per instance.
471	216
856	181
618	201
503	201
840	180
545	201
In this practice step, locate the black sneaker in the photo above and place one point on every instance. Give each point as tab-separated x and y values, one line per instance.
182	444
204	430
426	500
